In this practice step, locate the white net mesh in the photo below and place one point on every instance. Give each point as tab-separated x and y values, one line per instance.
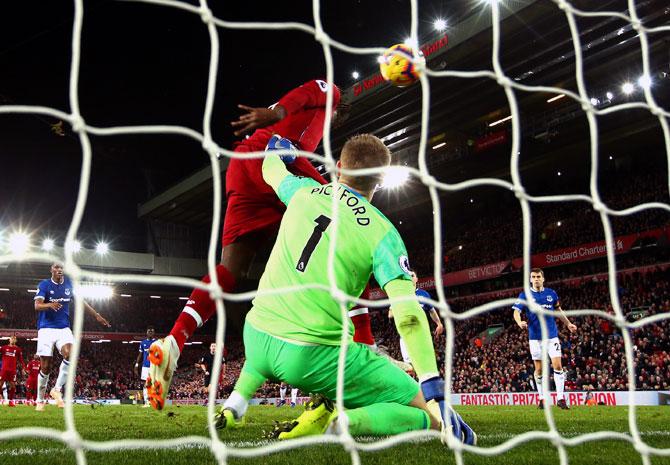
221	451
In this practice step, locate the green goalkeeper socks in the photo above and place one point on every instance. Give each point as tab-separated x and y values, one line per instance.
386	418
248	382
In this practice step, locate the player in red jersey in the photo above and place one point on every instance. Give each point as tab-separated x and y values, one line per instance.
253	211
33	369
10	354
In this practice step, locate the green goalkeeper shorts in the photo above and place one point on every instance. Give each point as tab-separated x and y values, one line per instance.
368	378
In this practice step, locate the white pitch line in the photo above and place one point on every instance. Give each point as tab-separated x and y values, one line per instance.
264	442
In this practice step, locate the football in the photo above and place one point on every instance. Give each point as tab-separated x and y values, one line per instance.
397	67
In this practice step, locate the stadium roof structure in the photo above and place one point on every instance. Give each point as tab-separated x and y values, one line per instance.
536	49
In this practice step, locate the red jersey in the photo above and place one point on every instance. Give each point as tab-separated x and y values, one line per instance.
303	125
33	369
9	356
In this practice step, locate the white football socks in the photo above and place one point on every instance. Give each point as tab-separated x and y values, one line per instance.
237	404
42	381
538	386
62	375
559	380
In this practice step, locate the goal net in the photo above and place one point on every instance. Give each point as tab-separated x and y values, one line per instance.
494	71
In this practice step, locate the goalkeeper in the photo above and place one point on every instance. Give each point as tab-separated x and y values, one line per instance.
295	337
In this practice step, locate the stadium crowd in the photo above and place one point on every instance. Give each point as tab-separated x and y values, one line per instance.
593	356
482	237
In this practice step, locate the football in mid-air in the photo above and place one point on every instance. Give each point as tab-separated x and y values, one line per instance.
397	67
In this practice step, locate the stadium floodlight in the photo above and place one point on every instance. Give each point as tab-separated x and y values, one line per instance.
553	99
460	247
48	244
440	145
411	42
395	177
19	243
627	88
74	246
495	123
94	291
558	223
594	101
472	200
355	75
125	295
611	157
440	24
645	81
154	296
609	95
558	173
101	248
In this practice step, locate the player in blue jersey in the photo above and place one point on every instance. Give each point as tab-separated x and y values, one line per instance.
430	311
547	299
143	362
52	304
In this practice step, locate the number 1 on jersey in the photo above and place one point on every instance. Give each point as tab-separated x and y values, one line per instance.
322	223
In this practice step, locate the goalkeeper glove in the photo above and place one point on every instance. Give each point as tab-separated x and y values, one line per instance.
433	389
278	142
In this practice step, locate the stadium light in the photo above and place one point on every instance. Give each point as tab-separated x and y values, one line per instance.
558	97
19	243
355	75
125	295
558	173
101	248
460	247
395	176
183	298
611	158
645	81
627	88
440	145
594	101
74	246
609	95
558	223
48	244
472	200
154	297
411	42
4	289
495	123
94	291
440	24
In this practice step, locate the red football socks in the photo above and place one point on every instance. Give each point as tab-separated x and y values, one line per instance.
200	308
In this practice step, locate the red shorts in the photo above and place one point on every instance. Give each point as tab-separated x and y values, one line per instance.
8	376
31	384
253	205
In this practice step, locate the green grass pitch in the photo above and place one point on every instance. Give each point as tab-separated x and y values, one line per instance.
494	425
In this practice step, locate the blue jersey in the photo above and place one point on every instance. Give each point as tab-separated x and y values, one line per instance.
547	299
144	348
426	307
49	291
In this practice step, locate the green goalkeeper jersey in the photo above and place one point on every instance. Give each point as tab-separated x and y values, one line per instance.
367	243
